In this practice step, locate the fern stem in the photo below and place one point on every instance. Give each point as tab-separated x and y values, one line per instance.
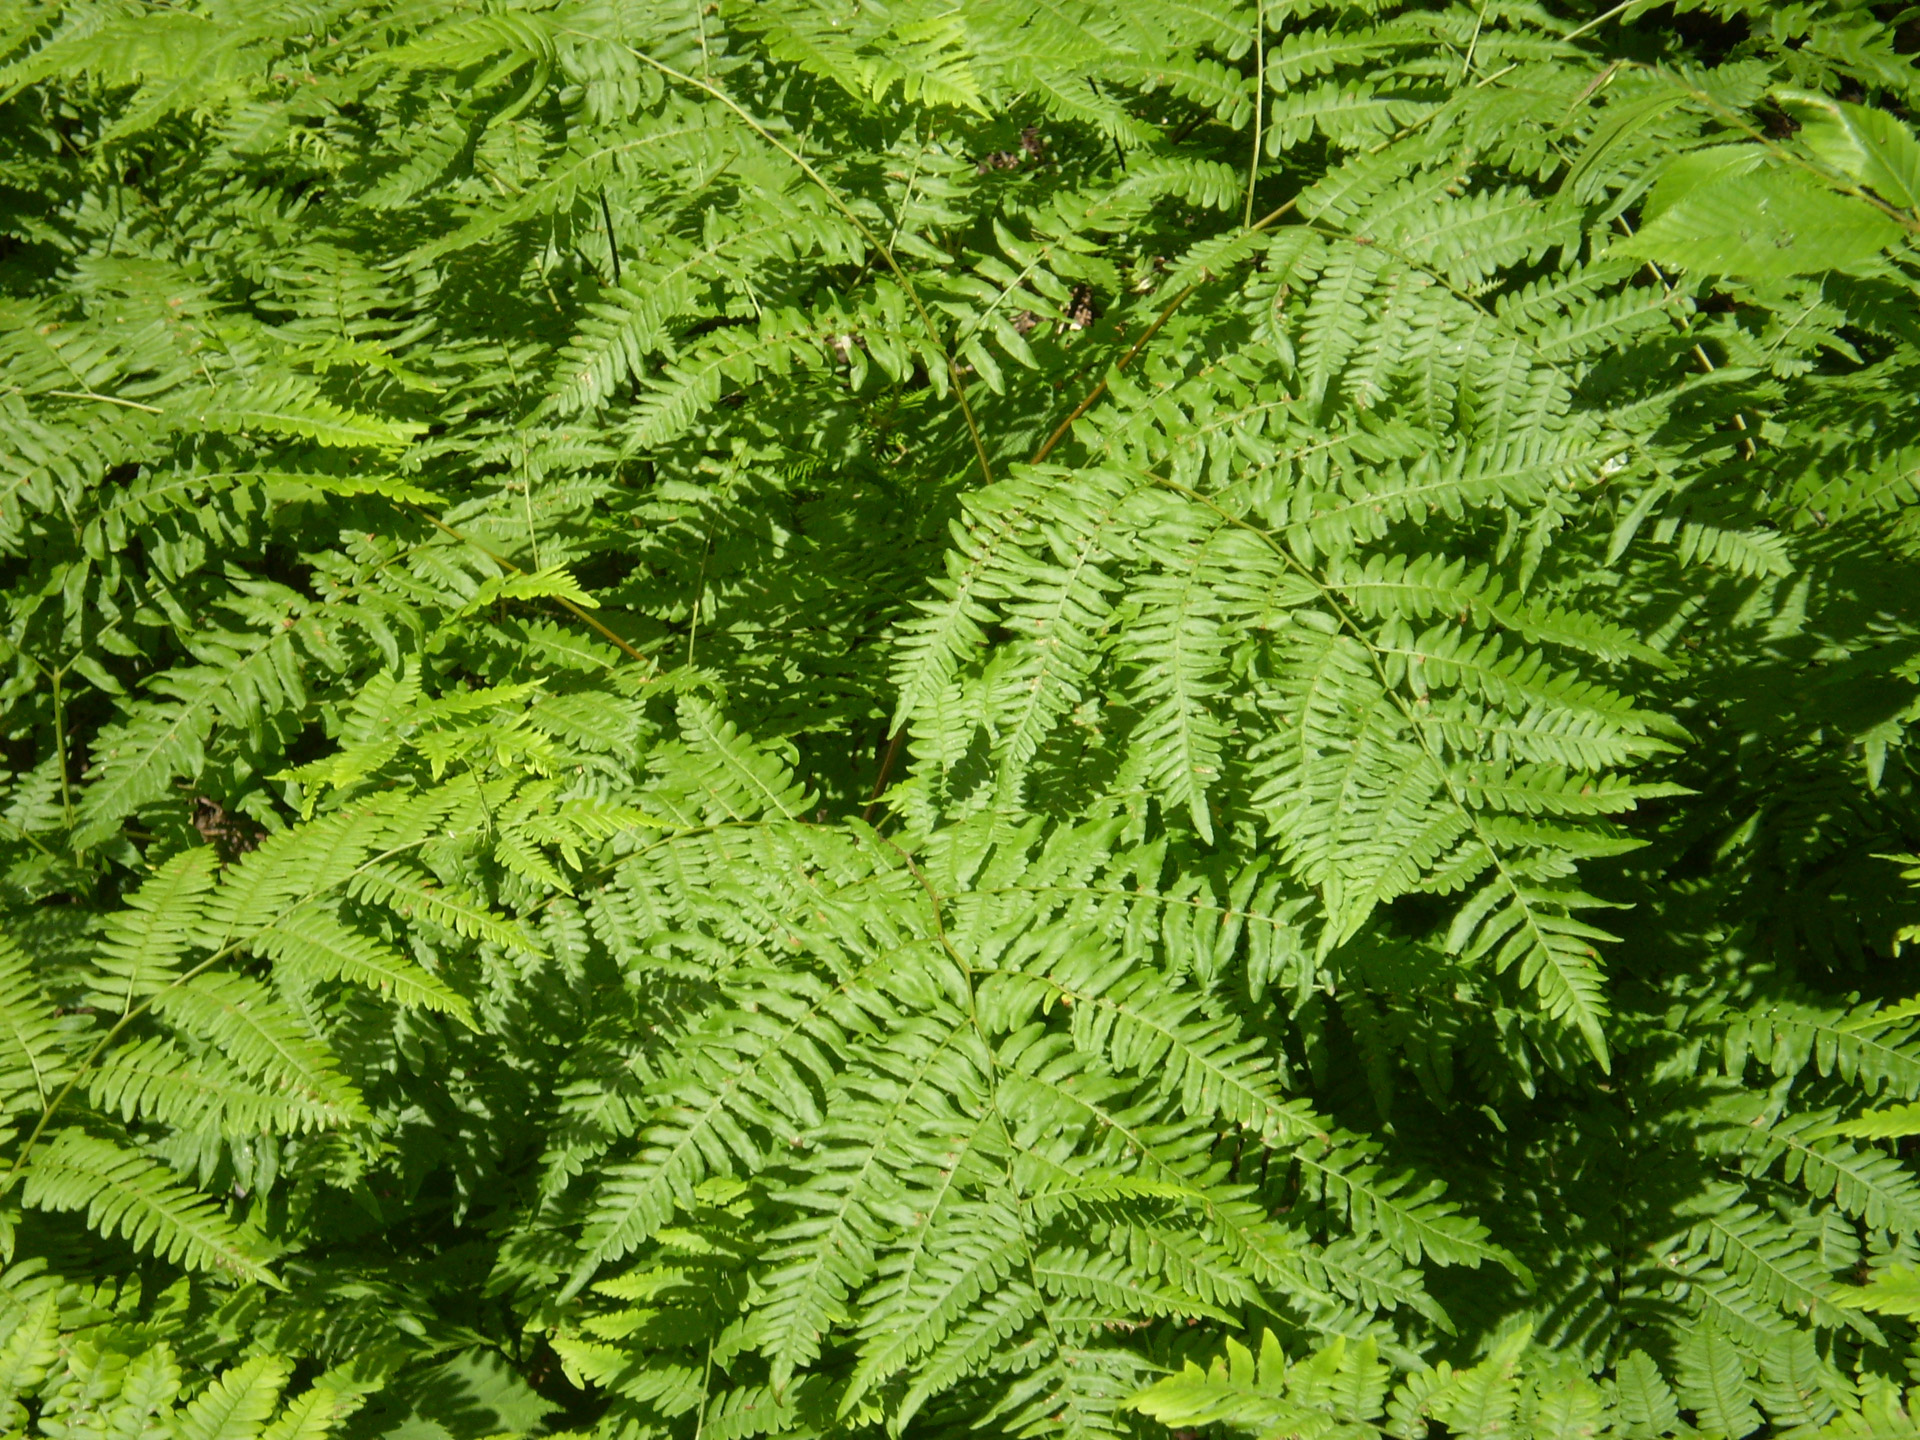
1259	95
1473	42
906	198
104	400
561	600
60	745
613	245
833	197
26	835
1060	430
706	1373
1599	20
895	744
699	598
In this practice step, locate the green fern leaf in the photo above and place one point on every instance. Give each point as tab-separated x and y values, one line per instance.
125	1193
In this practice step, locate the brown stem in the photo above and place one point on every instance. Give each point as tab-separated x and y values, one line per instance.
1060	430
561	600
895	745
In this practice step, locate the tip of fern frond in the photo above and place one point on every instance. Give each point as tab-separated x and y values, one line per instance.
581	1277
1597	1044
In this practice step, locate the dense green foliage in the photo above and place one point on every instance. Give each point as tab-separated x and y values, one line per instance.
1031	717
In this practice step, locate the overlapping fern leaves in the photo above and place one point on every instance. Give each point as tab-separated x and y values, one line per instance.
801	718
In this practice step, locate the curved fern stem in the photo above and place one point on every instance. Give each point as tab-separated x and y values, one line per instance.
561	600
885	252
1259	104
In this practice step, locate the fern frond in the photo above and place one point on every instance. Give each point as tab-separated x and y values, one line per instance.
318	946
263	1037
125	1193
33	1062
237	1405
155	1080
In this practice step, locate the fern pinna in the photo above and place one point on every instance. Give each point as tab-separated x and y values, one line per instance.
817	718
